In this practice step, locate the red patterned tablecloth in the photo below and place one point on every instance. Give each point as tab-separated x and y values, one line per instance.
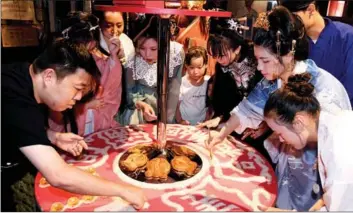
237	178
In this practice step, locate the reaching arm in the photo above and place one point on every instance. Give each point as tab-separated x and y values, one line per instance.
230	125
317	206
228	128
249	112
69	178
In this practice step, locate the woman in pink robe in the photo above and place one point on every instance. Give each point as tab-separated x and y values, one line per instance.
98	113
106	103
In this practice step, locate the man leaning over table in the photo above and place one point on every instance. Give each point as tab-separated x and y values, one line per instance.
57	79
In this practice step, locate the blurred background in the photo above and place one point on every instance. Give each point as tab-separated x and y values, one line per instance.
28	25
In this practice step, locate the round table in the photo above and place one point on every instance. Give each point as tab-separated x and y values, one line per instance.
237	178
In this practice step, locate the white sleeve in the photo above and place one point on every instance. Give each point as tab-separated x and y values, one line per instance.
249	115
338	185
128	46
339	194
333	100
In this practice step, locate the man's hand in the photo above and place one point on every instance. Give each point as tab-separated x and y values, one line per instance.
69	178
69	142
134	196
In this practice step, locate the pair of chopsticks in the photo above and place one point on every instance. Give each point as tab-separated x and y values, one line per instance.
208	141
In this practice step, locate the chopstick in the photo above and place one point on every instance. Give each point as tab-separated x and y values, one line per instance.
208	143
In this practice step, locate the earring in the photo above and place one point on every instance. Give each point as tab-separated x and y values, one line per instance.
278	43
294	42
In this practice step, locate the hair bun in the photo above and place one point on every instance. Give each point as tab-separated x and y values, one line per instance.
299	84
288	24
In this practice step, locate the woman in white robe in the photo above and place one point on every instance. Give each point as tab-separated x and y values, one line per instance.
294	114
281	51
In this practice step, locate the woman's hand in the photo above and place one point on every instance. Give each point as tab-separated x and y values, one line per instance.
255	133
148	112
215	140
210	123
95	103
317	206
115	48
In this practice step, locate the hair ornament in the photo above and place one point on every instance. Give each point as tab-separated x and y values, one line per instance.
294	42
65	33
92	27
262	21
235	26
278	42
140	16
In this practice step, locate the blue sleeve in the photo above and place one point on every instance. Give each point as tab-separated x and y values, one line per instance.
348	79
260	94
130	89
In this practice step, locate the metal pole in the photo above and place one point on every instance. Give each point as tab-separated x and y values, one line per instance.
127	32
73	5
51	7
162	79
87	6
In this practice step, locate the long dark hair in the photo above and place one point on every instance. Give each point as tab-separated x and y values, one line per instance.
222	39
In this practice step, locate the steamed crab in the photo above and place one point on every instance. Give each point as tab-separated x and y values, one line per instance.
183	166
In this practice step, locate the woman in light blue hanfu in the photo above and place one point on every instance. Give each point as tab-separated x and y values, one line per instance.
281	49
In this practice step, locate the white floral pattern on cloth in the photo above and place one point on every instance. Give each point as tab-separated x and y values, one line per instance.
242	72
148	72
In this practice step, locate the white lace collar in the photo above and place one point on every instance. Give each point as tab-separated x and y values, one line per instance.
141	70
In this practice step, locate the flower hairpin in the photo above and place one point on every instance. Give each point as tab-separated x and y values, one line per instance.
233	25
140	16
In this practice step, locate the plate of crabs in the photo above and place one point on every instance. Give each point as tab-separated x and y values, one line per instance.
147	163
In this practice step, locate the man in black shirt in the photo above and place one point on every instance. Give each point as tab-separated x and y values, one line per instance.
58	78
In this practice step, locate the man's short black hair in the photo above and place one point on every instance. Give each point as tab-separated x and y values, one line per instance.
65	58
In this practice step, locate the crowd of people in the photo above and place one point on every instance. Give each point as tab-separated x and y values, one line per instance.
286	93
